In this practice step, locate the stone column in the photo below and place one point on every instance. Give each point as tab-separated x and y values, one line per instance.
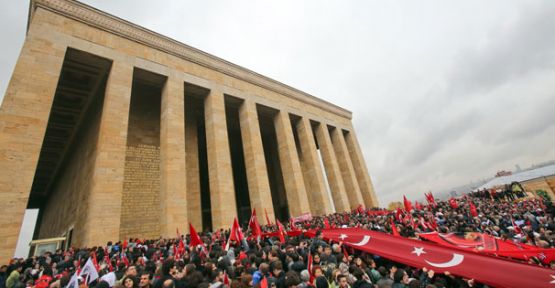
193	171
364	181
255	163
347	170
173	191
333	171
312	170
102	222
222	191
23	119
295	190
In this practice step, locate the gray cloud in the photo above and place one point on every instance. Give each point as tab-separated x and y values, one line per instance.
442	93
509	52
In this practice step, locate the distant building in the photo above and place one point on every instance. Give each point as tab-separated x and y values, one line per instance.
503	173
394	205
533	180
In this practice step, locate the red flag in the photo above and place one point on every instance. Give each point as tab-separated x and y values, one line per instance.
309	267
256	231
226	279
326	223
124	245
267	218
181	247
107	259
431	200
517	228
360	209
419	254
235	233
432	222
195	239
408	205
345	254
281	232
124	259
484	243
394	228
95	262
417	205
453	203
398	214
292	226
473	210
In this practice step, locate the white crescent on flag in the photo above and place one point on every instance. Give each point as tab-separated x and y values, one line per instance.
362	242
456	260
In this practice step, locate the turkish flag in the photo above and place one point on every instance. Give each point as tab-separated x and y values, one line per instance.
235	234
398	214
256	231
94	261
453	203
408	205
309	267
181	248
430	198
394	230
473	210
489	270
326	223
281	231
195	239
226	279
484	243
417	205
267	218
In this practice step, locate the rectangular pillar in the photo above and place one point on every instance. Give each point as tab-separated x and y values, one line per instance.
295	190
364	181
23	120
222	191
312	170
255	163
333	171
193	171
102	223
347	170
173	188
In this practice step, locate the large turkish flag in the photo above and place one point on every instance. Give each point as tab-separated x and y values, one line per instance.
489	270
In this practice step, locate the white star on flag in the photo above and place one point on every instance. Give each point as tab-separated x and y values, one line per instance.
343	236
552	281
418	251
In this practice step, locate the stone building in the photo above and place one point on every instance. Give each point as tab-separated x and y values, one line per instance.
115	131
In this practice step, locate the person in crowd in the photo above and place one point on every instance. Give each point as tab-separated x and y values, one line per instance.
144	280
129	281
266	262
13	280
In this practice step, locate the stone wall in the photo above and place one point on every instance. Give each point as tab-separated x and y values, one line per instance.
67	203
140	213
140	203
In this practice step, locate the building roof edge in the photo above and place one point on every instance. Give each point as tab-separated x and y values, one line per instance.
115	25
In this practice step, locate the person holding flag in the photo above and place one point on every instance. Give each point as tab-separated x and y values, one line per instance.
254	226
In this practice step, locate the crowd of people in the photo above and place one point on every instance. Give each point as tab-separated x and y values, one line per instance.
299	261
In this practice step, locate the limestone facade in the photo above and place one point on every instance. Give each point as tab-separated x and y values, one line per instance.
119	179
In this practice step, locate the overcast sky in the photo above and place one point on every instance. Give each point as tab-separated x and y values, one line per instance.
442	92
